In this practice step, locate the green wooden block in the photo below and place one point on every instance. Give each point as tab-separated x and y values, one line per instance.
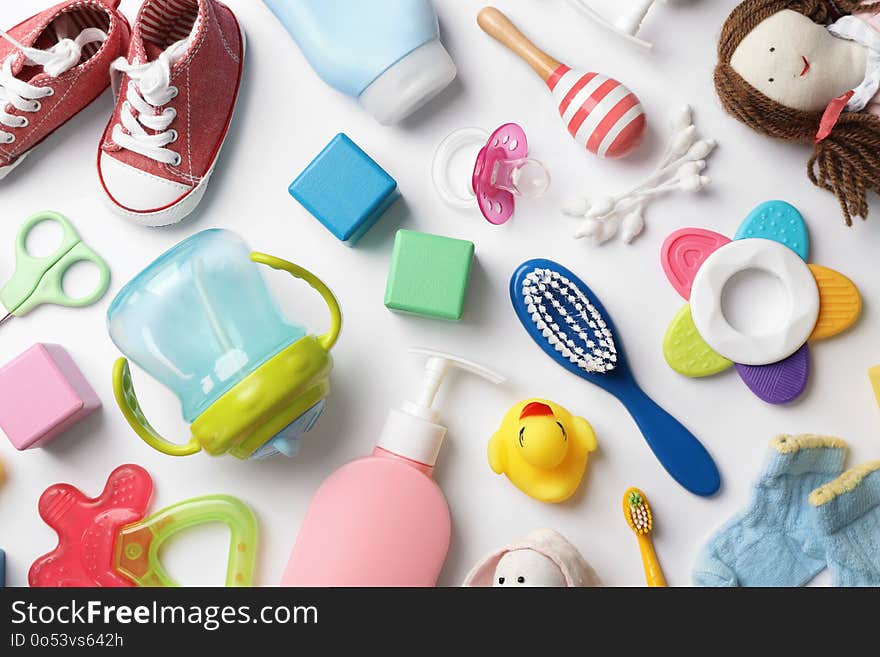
429	275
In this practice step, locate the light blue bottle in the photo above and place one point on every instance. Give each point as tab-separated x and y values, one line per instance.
385	53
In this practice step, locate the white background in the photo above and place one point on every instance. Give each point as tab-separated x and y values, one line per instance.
285	116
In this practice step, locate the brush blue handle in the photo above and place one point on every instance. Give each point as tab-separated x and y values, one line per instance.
677	449
679	452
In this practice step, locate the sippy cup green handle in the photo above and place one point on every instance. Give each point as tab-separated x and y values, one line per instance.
329	338
126	399
138	545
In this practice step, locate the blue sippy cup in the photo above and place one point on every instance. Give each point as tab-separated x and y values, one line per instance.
201	321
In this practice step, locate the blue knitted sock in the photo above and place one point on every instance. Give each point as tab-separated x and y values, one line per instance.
775	541
848	517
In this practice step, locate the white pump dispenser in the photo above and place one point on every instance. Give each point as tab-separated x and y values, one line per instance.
413	431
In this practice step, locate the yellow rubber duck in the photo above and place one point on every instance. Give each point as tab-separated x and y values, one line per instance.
543	449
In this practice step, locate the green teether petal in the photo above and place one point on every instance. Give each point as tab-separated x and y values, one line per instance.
686	351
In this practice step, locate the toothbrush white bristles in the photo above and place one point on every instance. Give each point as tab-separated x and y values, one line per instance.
638	512
585	339
640	519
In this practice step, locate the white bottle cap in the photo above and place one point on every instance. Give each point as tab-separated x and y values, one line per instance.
413	432
409	83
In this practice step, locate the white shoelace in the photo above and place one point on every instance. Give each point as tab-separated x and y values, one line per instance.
24	97
149	87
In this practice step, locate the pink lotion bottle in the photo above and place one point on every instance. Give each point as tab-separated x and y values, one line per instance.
383	520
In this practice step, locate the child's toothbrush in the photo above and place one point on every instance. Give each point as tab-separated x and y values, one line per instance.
570	324
638	515
598	111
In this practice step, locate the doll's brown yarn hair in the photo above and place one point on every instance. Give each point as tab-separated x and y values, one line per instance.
847	162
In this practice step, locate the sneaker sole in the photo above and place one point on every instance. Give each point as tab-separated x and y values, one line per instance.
181	209
5	171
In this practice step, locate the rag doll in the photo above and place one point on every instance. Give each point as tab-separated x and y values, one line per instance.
809	71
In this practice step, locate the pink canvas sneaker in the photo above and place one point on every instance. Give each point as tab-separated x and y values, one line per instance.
177	91
52	66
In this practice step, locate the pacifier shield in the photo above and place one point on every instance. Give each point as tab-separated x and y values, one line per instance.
507	143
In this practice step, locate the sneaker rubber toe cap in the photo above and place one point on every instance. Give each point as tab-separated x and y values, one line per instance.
138	191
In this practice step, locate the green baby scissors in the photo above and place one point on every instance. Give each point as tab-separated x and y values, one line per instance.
39	281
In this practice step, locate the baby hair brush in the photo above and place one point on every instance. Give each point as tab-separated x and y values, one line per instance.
569	323
638	516
599	112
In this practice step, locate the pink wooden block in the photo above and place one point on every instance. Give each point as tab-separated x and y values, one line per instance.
42	394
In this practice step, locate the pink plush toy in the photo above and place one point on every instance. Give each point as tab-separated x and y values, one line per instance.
543	558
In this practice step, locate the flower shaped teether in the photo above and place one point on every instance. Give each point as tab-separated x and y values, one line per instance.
774	364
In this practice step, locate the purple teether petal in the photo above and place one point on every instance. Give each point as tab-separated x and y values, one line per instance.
507	143
778	383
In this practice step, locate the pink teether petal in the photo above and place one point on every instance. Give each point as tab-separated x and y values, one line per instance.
684	251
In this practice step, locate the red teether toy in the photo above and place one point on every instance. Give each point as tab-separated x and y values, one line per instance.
87	529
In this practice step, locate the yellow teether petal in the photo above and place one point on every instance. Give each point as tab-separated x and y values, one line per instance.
686	351
840	303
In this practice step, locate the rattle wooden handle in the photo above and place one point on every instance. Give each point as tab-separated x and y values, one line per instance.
499	27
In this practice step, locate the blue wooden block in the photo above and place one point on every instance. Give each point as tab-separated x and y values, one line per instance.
2	569
345	189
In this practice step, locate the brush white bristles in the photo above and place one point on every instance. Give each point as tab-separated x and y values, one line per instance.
585	340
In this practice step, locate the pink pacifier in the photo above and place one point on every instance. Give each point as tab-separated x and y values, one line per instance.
502	171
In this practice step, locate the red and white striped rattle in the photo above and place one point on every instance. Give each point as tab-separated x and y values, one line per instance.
598	111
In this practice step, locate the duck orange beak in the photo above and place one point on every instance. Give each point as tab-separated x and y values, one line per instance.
535	409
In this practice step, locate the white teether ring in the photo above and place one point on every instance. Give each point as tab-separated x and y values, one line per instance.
770	257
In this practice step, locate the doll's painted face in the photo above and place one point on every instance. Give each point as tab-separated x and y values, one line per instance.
799	63
527	568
